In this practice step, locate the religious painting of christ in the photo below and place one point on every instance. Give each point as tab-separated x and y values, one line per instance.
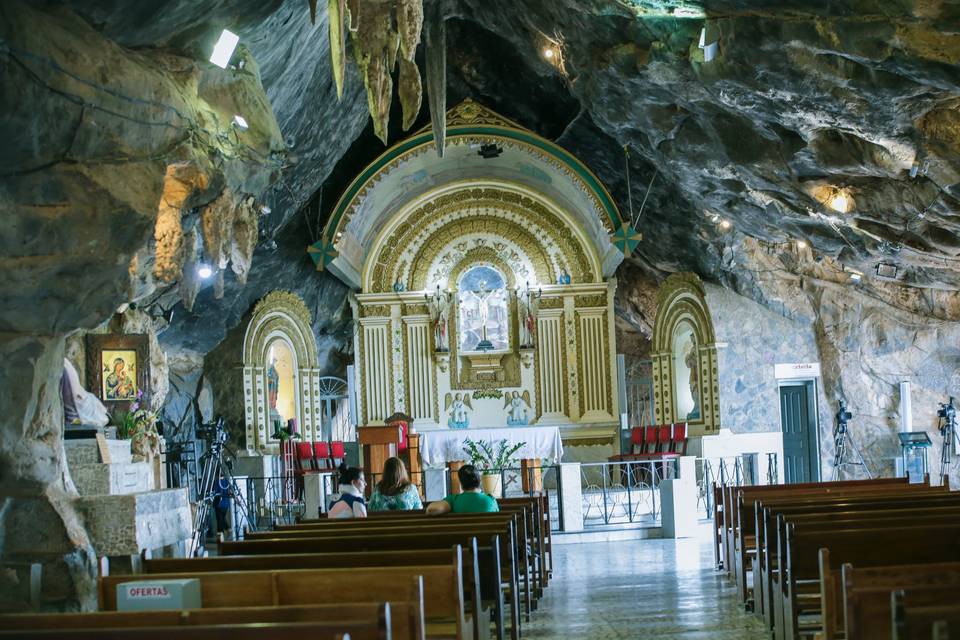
483	317
119	374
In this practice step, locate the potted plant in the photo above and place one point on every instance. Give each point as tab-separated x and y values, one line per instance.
138	425
489	458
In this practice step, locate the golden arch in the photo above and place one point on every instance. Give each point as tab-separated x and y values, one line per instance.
681	301
548	226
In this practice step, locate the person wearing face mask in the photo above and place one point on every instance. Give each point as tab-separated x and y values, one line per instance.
350	503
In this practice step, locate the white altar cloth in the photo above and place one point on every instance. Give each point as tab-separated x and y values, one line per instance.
438	447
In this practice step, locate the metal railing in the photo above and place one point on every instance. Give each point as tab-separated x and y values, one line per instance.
268	501
740	470
624	492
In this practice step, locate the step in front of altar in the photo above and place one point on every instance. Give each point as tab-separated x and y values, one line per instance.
120	478
121	525
87	451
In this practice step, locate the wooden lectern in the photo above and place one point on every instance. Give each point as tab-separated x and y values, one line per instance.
379	443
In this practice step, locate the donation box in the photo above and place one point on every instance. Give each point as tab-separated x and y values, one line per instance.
158	595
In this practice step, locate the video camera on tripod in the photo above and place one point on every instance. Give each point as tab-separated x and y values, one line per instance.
947	416
215	478
843	417
846	453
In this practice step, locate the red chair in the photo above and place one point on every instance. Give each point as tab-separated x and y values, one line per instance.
321	454
679	443
304	458
337	452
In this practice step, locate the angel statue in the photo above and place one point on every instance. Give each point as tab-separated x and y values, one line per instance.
458	405
516	406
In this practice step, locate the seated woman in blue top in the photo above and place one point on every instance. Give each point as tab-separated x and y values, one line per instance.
472	500
350	502
394	492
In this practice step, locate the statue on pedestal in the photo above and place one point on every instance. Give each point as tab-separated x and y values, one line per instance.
439	305
516	406
458	405
527	303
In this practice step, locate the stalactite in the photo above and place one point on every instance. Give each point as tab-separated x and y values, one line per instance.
435	55
384	32
244	239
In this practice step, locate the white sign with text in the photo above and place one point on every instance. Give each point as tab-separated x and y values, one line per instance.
796	370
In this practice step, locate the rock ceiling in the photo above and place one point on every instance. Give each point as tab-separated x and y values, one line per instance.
802	101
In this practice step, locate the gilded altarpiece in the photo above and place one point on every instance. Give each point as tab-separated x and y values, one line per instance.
533	343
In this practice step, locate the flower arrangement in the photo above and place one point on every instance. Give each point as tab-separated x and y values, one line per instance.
139	425
283	433
488	393
489	457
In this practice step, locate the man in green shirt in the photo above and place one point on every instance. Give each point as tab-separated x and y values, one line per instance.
472	500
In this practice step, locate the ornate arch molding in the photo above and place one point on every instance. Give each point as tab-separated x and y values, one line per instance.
280	315
438	220
481	236
681	302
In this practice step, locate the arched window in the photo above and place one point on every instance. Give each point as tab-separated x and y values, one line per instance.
483	319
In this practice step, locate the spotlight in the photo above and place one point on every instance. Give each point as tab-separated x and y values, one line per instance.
801	244
204	270
223	50
265	210
725	224
887	270
855	277
241	122
841	201
548	53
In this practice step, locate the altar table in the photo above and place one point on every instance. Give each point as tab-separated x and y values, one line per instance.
445	446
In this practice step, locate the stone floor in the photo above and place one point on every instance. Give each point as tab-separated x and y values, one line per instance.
640	589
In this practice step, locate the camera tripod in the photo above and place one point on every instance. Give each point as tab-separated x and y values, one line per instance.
214	467
948	429
846	452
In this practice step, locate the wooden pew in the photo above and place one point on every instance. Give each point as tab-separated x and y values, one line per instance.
515	559
530	545
866	591
741	530
927	614
254	631
534	526
341	560
420	539
527	550
730	504
441	586
799	581
362	620
773	513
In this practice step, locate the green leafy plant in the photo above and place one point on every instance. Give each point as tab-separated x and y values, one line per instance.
138	425
488	393
283	434
490	457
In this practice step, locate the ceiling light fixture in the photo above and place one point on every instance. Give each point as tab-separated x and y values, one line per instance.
264	209
223	50
801	244
709	42
204	270
855	277
548	53
725	224
885	270
241	122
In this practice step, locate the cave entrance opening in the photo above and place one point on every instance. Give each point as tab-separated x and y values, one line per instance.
798	422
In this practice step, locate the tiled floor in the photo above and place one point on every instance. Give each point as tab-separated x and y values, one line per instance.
640	589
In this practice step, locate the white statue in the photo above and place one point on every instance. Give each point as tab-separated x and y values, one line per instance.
79	405
459	404
516	406
439	305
